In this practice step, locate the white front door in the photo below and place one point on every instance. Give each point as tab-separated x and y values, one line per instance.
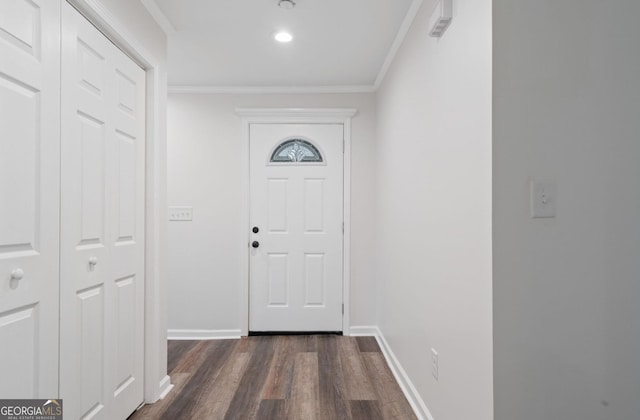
29	197
296	232
102	225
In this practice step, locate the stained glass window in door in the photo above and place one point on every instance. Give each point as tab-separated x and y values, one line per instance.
296	150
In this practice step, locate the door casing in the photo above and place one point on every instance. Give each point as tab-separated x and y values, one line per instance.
296	116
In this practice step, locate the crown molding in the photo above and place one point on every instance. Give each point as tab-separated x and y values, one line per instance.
397	42
262	90
283	115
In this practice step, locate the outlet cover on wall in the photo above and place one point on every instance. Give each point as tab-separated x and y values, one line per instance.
543	199
434	363
181	214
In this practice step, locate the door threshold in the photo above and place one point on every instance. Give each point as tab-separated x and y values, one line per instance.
263	333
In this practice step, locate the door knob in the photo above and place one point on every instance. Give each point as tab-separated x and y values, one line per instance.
17	274
93	261
255	229
255	244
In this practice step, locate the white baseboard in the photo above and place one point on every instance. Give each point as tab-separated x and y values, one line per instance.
363	330
202	334
165	386
409	390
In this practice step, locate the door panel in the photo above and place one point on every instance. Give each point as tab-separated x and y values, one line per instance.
278	280
102	221
91	179
20	104
277	210
313	205
296	271
314	280
19	335
21	25
126	190
89	306
29	187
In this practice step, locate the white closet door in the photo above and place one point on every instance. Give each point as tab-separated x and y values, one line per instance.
102	225
126	172
29	197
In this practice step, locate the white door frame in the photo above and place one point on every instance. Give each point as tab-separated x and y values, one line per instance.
297	116
156	381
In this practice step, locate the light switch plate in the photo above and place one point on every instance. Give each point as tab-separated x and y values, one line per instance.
543	199
181	214
434	364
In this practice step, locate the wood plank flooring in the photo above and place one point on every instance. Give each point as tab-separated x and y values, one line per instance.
322	377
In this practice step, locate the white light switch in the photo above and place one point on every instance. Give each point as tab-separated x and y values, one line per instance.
434	364
180	214
543	199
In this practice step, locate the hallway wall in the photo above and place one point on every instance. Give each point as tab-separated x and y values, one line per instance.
204	171
137	20
434	211
567	108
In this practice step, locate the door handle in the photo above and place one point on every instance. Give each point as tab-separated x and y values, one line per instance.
17	274
255	244
255	229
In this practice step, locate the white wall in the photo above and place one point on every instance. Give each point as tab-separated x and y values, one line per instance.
434	211
566	290
204	171
134	16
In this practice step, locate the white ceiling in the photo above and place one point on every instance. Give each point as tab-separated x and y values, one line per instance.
340	44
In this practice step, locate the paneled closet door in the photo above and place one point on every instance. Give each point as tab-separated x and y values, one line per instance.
102	225
29	197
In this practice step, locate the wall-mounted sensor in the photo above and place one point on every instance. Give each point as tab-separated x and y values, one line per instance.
441	18
287	4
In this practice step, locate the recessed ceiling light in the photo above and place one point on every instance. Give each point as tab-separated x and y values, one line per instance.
283	37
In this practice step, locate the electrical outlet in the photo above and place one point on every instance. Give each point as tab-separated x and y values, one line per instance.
434	363
183	214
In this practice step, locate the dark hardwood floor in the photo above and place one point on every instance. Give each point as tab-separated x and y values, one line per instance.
280	377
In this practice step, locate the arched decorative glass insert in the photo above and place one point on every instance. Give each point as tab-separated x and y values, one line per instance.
296	150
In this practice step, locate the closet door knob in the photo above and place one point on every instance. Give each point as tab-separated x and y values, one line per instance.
255	244
93	261
17	274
